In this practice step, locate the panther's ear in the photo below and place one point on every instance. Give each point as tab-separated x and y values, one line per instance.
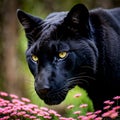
28	21
31	25
78	18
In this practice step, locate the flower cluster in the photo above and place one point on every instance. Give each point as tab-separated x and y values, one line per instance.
14	108
111	111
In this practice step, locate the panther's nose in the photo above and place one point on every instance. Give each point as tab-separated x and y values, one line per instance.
44	90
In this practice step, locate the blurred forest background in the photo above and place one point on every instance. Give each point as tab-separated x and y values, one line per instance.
14	73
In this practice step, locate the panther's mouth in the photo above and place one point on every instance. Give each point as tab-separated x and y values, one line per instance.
53	97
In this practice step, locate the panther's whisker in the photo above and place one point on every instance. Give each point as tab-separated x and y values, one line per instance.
81	73
82	77
88	77
87	67
78	80
62	93
74	77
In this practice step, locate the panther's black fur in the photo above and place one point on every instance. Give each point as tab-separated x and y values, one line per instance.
91	42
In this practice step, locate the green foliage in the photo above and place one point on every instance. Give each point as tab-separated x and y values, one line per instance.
71	99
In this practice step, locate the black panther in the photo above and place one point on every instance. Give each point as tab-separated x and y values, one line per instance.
78	47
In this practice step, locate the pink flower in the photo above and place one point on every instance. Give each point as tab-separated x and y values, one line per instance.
83	105
32	111
98	111
52	112
83	117
16	101
89	113
32	106
116	108
77	95
57	115
116	97
32	117
4	94
98	118
46	113
106	107
70	118
111	102
114	115
77	112
70	106
1	110
25	100
41	114
107	102
21	113
106	114
62	118
13	114
91	116
44	108
47	117
5	118
26	116
13	96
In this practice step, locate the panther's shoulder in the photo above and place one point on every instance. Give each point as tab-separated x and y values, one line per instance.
102	11
105	16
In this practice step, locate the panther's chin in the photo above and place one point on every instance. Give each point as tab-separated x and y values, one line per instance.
53	102
53	99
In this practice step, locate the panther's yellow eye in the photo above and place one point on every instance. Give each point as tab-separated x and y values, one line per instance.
62	54
34	58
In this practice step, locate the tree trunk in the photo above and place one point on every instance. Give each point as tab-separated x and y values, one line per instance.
102	3
9	45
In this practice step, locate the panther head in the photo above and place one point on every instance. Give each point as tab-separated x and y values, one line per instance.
61	52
